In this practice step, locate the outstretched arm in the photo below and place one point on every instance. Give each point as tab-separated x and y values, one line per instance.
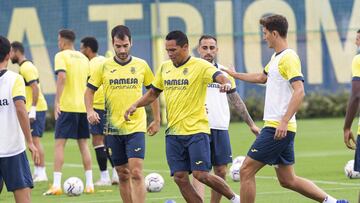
247	77
235	100
351	110
145	100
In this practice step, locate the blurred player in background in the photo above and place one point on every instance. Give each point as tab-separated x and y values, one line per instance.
217	106
122	79
284	95
35	104
72	71
15	131
184	80
89	47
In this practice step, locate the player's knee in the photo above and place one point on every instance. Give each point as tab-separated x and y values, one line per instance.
123	173
221	172
201	175
180	179
136	174
286	183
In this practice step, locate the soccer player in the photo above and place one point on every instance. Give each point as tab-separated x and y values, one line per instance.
72	71
284	94
184	80
35	104
15	131
353	106
219	117
123	78
89	47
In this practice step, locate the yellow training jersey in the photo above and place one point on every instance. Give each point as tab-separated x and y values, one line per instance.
283	69
76	67
99	101
123	85
30	74
185	92
356	75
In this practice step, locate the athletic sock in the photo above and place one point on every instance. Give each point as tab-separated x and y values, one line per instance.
235	199
104	175
329	199
89	178
57	179
101	157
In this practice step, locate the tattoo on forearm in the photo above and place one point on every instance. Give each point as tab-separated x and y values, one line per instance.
239	105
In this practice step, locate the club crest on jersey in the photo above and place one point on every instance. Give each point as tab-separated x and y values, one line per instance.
133	70
185	71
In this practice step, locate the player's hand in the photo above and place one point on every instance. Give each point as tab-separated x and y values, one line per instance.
153	128
57	111
254	129
129	112
230	71
32	114
34	153
93	117
225	87
349	139
281	130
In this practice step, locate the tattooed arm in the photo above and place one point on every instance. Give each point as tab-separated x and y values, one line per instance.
235	100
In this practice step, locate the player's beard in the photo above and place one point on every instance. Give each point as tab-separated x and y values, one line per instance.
122	56
209	58
14	60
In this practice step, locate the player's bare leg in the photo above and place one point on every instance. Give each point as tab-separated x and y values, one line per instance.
215	182
199	187
247	179
22	195
86	159
187	190
221	172
59	154
288	179
124	183
137	180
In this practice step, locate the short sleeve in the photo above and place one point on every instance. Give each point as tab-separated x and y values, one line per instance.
266	69
60	64
290	68
355	68
158	83
210	73
96	78
148	76
18	90
29	73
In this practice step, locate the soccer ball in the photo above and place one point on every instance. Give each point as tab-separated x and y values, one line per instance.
154	182
73	186
349	170
235	172
239	159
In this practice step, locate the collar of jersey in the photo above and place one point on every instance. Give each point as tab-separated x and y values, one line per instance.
177	66
23	62
122	64
2	72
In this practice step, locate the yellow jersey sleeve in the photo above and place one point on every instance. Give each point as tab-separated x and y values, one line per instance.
18	90
355	68
210	73
158	83
148	76
29	73
290	67
96	78
60	64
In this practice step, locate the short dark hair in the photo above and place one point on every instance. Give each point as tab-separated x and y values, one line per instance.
18	46
4	48
275	23
67	34
90	42
207	37
358	31
120	31
180	37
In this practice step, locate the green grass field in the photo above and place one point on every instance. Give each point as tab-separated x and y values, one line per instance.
320	156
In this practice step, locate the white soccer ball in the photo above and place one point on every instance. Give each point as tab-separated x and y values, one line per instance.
239	159
349	170
154	182
235	172
73	186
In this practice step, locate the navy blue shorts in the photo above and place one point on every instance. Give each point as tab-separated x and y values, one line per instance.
220	147
98	129
123	147
270	151
357	155
188	152
15	171
72	125
38	126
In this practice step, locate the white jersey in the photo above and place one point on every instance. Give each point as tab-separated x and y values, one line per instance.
12	88
217	104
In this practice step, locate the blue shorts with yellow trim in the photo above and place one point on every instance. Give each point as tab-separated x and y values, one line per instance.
98	129
270	151
71	125
123	147
38	126
188	152
220	147
15	171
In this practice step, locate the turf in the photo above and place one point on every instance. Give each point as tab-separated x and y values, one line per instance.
320	156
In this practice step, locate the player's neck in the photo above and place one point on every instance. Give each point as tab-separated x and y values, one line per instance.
68	47
21	59
280	46
92	55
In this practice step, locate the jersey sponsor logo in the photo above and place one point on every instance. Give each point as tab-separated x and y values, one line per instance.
123	81
176	84
214	85
4	102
